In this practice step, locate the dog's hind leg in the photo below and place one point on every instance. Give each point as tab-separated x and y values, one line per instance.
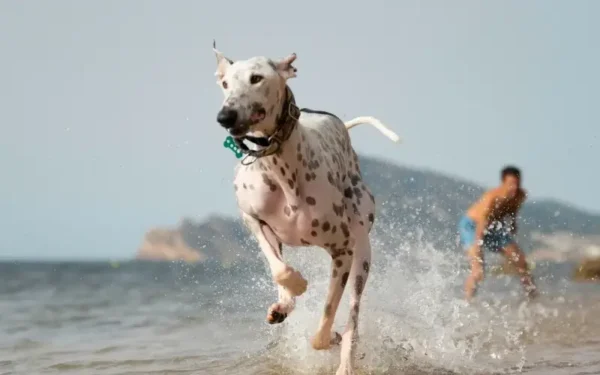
290	282
324	337
361	264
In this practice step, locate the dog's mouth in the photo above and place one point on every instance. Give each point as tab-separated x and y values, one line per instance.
241	129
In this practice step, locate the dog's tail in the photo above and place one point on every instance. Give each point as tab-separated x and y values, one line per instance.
374	122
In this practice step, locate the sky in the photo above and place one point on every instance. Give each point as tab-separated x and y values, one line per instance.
108	108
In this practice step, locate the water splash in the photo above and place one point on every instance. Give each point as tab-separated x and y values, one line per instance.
413	316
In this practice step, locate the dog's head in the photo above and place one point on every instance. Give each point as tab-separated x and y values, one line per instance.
254	92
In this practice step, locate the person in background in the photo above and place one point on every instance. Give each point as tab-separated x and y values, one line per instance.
491	224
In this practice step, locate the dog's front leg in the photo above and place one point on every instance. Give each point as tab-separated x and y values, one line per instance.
280	310
324	337
290	282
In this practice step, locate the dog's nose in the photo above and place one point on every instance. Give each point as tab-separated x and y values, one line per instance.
227	117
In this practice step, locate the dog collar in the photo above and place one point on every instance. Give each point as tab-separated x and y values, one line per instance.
286	123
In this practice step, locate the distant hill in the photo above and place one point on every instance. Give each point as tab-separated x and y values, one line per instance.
217	239
408	200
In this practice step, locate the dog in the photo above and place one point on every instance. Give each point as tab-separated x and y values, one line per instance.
299	184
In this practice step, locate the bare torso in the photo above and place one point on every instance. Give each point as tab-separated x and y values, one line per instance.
494	206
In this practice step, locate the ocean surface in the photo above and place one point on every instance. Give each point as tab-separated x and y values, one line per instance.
171	318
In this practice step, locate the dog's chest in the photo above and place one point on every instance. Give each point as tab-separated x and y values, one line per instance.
303	206
258	192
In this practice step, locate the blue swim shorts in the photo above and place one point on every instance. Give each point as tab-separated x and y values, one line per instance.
496	237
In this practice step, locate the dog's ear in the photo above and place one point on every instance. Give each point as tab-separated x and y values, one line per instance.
222	62
285	67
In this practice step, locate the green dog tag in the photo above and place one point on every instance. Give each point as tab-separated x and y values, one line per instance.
230	144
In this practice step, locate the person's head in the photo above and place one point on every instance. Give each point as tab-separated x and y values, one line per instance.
511	180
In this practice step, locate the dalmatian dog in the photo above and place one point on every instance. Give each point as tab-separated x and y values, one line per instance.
299	184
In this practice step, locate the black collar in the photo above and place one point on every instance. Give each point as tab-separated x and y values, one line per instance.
286	123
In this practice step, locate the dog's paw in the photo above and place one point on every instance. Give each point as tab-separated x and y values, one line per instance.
324	342
292	280
276	314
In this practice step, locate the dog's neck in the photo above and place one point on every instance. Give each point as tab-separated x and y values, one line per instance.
285	123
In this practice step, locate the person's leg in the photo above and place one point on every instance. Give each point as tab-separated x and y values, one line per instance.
466	229
476	261
516	258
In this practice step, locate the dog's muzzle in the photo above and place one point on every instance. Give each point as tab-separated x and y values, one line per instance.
237	126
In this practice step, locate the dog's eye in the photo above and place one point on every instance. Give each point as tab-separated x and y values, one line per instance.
255	78
224	83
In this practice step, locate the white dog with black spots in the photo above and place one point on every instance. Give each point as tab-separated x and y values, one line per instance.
300	184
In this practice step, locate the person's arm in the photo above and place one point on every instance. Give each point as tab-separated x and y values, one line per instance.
482	221
514	214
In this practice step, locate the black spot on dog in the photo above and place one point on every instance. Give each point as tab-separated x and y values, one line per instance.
360	284
345	279
348	192
330	178
338	210
345	229
272	186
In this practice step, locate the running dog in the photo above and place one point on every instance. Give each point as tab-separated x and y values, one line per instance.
300	184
